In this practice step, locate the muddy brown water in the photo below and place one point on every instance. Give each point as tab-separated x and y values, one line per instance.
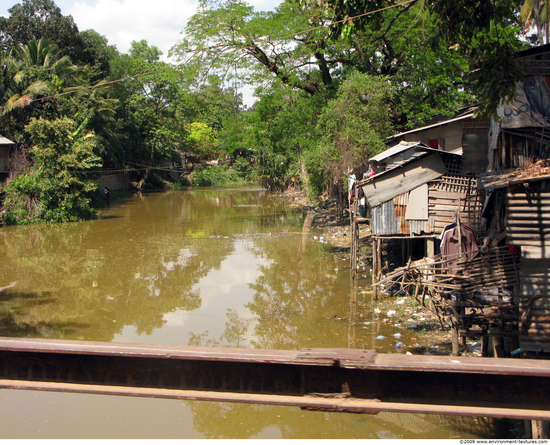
212	267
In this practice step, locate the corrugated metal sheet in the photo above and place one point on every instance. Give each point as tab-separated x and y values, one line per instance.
438	124
384	219
389	219
528	226
534	328
528	217
422	226
398	149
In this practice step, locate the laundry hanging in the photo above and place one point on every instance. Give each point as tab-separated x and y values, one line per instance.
458	242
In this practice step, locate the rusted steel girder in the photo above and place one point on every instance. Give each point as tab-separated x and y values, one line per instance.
344	380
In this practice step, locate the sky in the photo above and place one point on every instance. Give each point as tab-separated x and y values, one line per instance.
121	21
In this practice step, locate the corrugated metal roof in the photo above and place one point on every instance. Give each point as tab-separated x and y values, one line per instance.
427	127
396	149
5	141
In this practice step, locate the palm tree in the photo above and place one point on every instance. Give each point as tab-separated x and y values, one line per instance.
536	13
43	54
13	92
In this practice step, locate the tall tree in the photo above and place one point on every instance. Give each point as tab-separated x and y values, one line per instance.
147	118
294	45
486	33
353	127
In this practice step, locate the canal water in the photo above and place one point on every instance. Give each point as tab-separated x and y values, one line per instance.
212	267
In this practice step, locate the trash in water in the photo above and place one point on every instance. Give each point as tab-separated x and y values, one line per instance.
391	313
366	323
408	353
380	337
398	335
399	346
377	310
400	301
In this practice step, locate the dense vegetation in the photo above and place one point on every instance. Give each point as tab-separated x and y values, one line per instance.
330	88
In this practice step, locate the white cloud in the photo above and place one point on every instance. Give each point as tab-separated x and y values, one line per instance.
122	21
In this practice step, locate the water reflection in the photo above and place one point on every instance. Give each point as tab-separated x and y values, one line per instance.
204	267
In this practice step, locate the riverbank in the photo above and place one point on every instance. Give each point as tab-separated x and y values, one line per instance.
428	334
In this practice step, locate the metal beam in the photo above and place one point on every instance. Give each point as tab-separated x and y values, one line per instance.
344	380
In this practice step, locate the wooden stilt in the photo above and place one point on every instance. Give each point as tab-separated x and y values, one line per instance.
355	239
499	347
484	346
374	266
539	429
455	340
379	260
430	247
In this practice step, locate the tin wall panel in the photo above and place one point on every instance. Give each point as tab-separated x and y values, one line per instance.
528	218
534	275
384	220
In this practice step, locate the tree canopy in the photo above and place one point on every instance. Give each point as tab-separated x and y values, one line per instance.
331	78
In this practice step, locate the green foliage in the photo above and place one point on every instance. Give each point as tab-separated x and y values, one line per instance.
203	140
244	169
272	170
213	175
468	26
57	188
232	40
353	127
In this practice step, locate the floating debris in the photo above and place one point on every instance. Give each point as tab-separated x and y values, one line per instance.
380	337
391	313
397	335
399	346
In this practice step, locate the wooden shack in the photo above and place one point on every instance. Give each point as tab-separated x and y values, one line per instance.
463	133
5	147
520	132
419	193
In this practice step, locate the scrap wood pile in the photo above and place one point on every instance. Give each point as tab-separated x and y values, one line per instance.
482	286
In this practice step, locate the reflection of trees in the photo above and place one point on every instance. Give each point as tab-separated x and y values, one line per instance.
291	292
235	329
244	421
125	270
232	337
131	268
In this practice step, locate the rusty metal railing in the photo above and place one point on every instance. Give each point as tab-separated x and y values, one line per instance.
344	380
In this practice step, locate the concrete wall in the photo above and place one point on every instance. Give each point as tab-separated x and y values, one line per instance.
115	181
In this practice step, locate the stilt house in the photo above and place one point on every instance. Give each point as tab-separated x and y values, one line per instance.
5	147
503	291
